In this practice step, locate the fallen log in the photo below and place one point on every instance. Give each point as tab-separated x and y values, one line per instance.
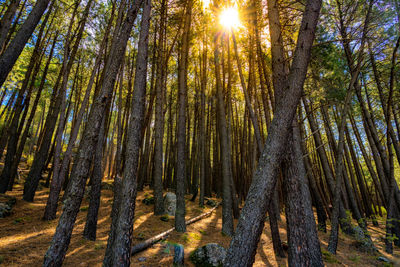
149	242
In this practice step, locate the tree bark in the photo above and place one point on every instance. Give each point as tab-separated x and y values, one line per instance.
159	118
304	248
121	249
80	170
14	49
244	243
181	172
227	216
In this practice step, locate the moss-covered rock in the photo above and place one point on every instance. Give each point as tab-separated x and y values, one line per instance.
210	255
6	205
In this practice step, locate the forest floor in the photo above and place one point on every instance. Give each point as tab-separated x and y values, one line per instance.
24	237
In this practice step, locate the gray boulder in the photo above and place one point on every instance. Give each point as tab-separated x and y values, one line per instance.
5	210
210	255
363	241
170	203
6	205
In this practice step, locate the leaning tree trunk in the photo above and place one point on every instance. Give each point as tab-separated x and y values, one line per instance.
121	249
243	246
39	161
59	177
80	170
14	49
95	189
6	21
24	136
12	131
304	248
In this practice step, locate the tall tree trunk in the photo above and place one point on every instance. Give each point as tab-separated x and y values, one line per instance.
14	49
243	246
80	170
202	119
38	164
6	21
181	173
59	176
227	216
304	248
14	167
159	118
95	188
121	249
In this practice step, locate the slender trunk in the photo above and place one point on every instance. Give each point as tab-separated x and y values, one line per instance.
80	170
121	249
181	172
227	218
6	21
14	168
38	164
304	248
243	246
59	176
159	118
14	49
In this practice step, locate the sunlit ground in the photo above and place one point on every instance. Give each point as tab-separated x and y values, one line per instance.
24	237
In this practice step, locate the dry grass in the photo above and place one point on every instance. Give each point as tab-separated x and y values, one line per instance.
24	237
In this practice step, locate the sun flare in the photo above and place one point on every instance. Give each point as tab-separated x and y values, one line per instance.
229	18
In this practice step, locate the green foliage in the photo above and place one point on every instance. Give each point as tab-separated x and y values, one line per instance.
185	238
85	208
164	218
328	257
23	219
148	200
392	237
354	258
30	159
1	259
168	246
99	245
203	232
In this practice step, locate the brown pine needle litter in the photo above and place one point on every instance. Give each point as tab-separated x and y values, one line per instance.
25	237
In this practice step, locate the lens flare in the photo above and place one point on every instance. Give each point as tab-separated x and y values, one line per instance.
229	18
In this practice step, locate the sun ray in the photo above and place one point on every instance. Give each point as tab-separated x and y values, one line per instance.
229	18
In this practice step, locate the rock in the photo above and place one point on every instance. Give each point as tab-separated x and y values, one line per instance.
383	259
363	242
9	200
170	203
179	255
142	259
6	205
210	255
5	210
211	203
